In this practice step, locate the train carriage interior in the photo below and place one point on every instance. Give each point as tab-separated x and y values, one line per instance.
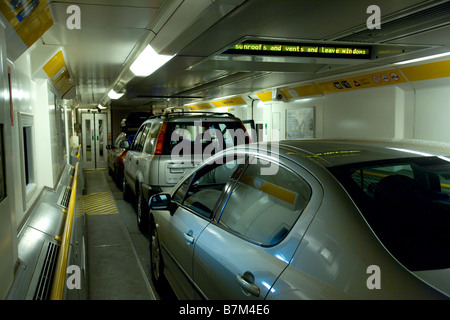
92	90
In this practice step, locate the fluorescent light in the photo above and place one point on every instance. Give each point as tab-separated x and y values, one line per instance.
148	62
303	100
424	58
114	95
190	104
223	98
101	107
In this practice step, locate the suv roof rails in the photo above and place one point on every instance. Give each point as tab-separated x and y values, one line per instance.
200	113
192	113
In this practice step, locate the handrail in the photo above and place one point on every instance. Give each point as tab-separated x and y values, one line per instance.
61	264
79	151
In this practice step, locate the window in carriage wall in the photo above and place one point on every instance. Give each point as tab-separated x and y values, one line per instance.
27	158
2	166
27	152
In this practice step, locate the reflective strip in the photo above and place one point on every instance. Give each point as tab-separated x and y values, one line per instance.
99	203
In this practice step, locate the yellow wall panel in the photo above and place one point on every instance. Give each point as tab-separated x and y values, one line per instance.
377	79
308	90
434	70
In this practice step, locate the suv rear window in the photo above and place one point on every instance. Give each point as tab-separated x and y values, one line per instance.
407	204
202	137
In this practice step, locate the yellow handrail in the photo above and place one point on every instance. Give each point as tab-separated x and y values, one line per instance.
79	151
61	265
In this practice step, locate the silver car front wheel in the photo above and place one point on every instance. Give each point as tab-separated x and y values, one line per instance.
157	263
126	190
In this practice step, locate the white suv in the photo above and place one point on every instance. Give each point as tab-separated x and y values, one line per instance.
167	147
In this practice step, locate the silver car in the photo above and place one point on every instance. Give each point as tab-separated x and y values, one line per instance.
307	220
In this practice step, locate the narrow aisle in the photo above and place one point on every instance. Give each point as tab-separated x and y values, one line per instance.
117	252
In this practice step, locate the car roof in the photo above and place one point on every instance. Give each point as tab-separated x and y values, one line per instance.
331	153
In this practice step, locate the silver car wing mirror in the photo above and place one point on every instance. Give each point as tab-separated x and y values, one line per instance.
160	201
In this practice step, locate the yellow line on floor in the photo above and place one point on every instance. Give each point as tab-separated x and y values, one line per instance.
95	170
100	203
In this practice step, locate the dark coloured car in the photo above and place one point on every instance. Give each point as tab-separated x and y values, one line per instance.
117	151
116	154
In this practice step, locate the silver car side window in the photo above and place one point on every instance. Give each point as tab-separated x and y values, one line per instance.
406	202
206	188
263	208
178	196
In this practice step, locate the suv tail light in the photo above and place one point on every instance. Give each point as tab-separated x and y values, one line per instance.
122	156
160	139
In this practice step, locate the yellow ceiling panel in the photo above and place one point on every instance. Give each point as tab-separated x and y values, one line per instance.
265	96
30	19
236	101
56	70
200	106
55	65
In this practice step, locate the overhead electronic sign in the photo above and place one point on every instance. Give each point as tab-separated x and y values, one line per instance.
301	50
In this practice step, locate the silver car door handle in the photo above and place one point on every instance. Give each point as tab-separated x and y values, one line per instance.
188	237
248	287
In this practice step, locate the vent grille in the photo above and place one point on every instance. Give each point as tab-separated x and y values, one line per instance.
64	198
48	268
417	22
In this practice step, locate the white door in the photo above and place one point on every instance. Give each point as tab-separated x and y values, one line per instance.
7	226
95	135
101	140
87	130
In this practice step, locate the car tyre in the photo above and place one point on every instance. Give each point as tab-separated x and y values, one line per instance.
118	177
126	190
156	259
142	213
